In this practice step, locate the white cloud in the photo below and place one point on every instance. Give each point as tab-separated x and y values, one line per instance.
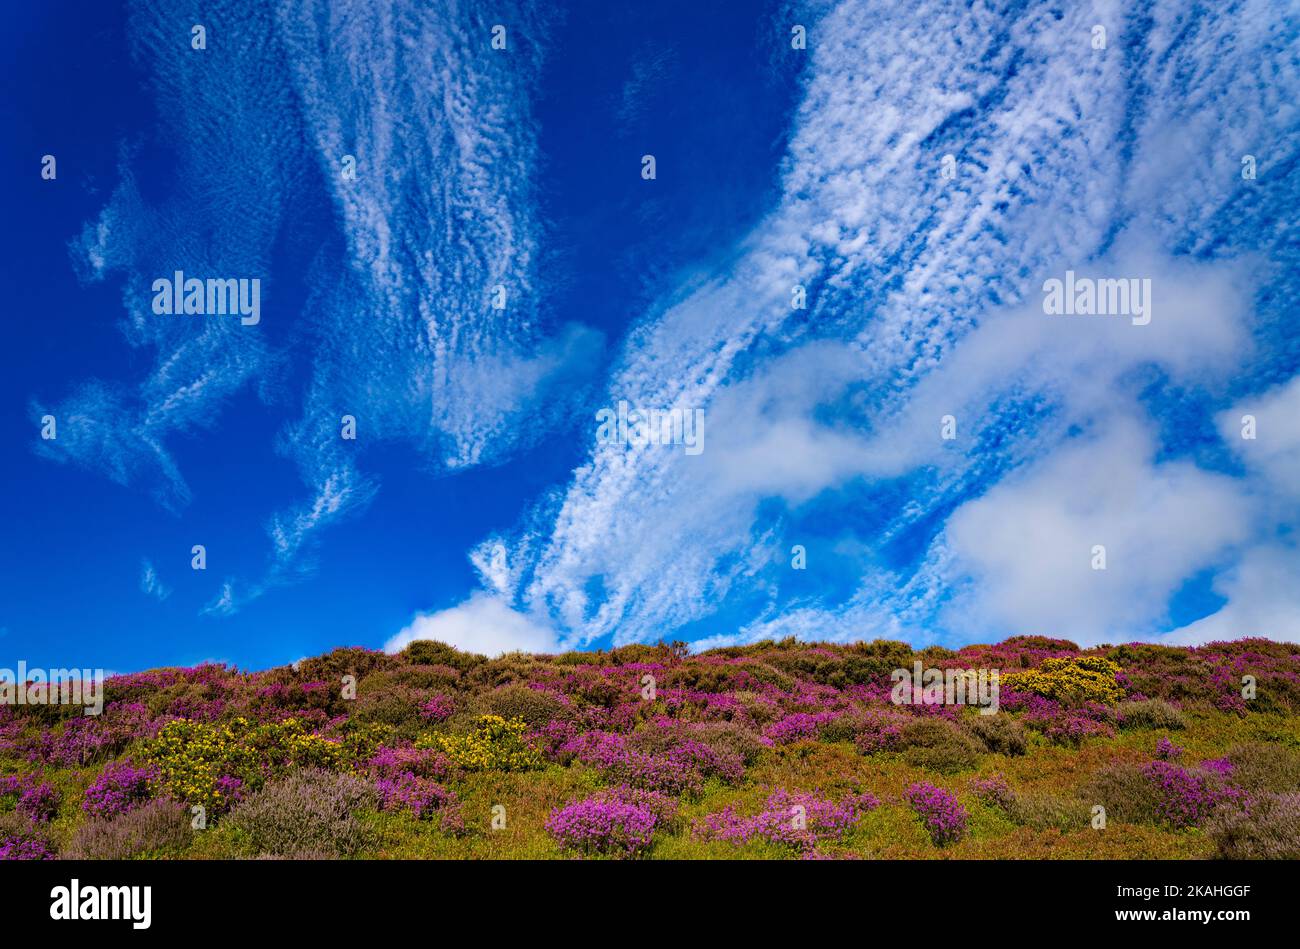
149	582
1028	543
1263	593
925	295
483	624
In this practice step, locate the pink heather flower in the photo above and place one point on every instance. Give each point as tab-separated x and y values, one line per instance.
1186	797
1166	750
120	787
939	810
799	820
615	822
437	709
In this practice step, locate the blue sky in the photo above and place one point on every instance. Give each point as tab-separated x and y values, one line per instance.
919	170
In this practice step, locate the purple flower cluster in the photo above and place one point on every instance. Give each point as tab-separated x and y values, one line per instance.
992	790
620	822
422	762
939	810
437	709
26	847
34	799
407	791
1220	766
797	820
1187	798
879	731
682	769
1166	750
120	787
797	726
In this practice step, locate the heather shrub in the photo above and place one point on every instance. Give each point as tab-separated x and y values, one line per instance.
437	709
1264	768
842	726
797	820
421	796
1268	829
387	703
1074	679
30	797
998	733
533	706
1041	811
307	811
1126	793
797	726
993	791
943	816
1187	798
159	827
429	652
120	787
351	660
20	839
728	740
880	730
619	822
937	745
1151	713
1166	750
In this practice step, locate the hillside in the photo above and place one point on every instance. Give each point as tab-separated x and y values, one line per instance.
772	750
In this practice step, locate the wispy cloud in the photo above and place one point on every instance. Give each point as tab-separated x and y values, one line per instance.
150	585
924	301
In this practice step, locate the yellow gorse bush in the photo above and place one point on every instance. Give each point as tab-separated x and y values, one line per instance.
1075	679
496	744
191	756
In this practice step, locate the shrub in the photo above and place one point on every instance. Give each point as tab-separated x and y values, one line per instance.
1261	768
1269	829
998	733
192	758
437	709
421	796
160	826
937	745
1187	798
728	740
1041	811
1156	714
120	787
495	745
1166	750
619	822
20	839
993	791
794	820
1125	792
797	726
31	798
1075	679
428	652
943	816
533	706
880	730
307	812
